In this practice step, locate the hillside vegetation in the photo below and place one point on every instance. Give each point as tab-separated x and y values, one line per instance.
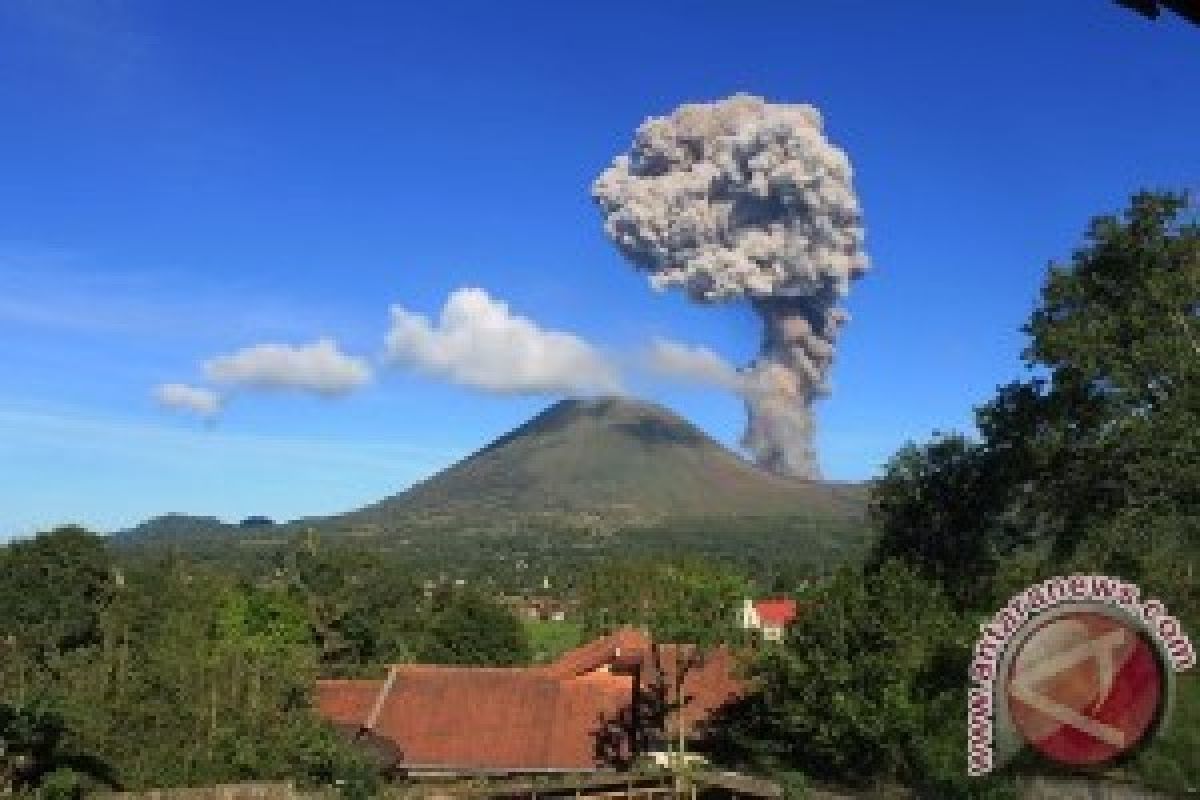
583	480
616	456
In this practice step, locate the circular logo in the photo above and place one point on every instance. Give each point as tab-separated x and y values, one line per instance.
1085	687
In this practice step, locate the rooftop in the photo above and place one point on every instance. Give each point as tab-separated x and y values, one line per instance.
587	710
776	611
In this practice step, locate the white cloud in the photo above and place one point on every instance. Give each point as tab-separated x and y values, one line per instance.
319	367
181	397
693	364
479	342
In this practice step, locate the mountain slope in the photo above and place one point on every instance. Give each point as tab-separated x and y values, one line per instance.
613	454
175	528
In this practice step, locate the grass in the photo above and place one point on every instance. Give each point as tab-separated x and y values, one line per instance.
549	639
1171	763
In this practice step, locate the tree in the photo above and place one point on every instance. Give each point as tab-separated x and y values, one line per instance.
1110	428
365	610
869	689
384	615
53	589
36	754
189	677
1093	465
683	600
686	607
471	629
941	508
1122	317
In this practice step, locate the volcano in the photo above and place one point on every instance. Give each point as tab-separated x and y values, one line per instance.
615	454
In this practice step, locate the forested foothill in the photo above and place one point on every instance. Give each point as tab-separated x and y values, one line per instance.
190	661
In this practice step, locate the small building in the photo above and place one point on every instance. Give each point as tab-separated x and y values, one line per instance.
598	707
536	607
770	616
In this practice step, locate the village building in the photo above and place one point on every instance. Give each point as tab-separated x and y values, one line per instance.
536	607
598	707
770	616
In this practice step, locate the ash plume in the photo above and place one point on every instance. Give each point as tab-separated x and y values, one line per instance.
742	199
690	364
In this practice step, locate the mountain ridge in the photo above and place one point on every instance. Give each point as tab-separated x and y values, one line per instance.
614	458
612	453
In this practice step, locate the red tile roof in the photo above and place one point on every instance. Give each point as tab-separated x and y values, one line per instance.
498	718
776	611
624	648
577	713
708	683
346	702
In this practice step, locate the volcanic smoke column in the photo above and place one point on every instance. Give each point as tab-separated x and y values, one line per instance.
744	199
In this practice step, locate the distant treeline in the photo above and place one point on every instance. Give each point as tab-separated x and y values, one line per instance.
515	553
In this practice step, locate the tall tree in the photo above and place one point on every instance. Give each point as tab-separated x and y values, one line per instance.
36	753
185	677
1092	464
683	600
687	607
1108	432
472	629
53	589
365	610
868	688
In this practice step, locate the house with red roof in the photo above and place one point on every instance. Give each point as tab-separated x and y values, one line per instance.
597	707
771	616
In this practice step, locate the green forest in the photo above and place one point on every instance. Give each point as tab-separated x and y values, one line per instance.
167	666
1091	465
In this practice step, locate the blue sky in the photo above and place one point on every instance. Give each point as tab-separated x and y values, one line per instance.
183	180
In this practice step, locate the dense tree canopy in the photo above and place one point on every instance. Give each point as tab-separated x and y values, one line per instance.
1082	458
685	600
864	690
53	591
181	676
364	610
38	753
941	508
470	628
1092	464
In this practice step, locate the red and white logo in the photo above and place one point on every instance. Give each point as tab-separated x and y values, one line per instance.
1085	687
